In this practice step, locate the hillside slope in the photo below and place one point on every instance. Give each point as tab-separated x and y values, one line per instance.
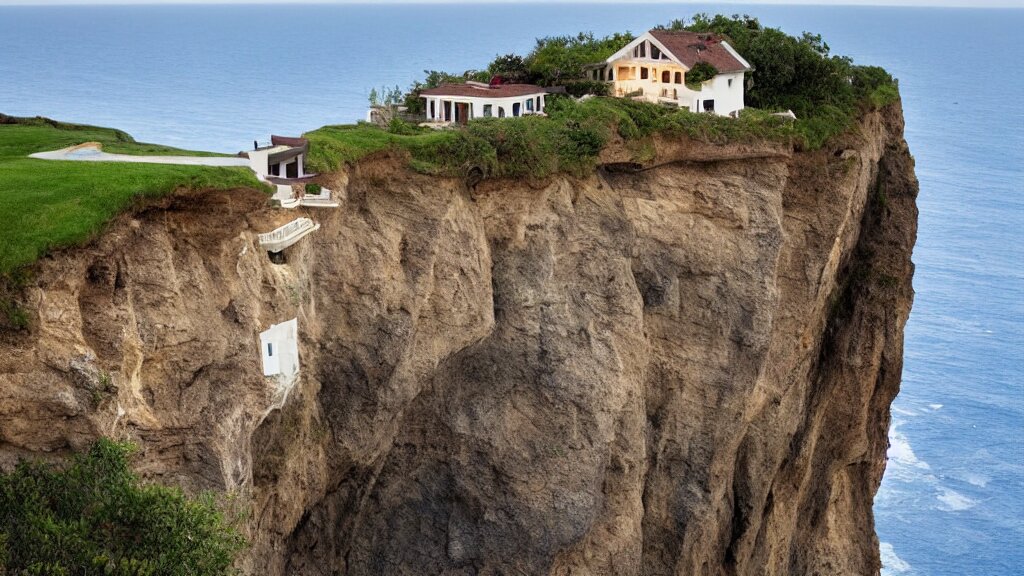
682	370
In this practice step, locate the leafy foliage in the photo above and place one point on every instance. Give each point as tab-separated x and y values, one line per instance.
583	87
700	73
95	518
799	73
385	103
569	140
556	59
511	67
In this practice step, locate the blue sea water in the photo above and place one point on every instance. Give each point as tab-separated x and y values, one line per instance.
217	77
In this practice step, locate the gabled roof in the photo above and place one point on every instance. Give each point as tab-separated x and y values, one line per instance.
689	48
478	91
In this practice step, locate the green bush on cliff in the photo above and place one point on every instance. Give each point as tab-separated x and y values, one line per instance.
94	517
800	73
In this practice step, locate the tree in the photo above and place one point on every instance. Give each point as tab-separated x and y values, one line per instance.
511	67
385	104
94	517
557	59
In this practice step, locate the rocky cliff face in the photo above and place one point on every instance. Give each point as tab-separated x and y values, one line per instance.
682	370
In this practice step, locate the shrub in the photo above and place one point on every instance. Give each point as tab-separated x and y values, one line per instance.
557	59
700	73
95	518
583	87
313	189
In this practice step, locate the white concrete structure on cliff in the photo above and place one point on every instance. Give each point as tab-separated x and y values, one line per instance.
464	102
280	349
654	67
284	158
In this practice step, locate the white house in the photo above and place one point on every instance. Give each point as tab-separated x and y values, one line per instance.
285	158
280	349
463	102
654	67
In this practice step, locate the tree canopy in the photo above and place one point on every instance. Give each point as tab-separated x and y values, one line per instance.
94	517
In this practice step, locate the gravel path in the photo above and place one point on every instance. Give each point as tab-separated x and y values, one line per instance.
95	154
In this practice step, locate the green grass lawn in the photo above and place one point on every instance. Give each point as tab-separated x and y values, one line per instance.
46	204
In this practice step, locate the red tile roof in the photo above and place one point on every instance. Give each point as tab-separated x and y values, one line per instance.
286	141
693	47
469	90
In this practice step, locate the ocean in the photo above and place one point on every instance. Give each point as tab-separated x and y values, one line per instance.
218	77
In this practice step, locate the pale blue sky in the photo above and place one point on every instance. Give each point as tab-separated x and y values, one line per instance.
947	3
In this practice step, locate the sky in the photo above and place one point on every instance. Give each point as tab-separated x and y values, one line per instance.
945	3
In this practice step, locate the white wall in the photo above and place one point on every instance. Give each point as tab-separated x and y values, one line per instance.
652	86
728	98
477	105
279	349
258	161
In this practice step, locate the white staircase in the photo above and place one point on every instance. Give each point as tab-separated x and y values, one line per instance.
287	235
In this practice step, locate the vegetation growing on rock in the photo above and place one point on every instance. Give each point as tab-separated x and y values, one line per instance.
96	518
826	92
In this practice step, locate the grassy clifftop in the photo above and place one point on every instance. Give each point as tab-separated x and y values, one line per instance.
799	73
50	204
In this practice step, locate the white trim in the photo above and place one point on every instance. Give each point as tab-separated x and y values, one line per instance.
737	56
626	53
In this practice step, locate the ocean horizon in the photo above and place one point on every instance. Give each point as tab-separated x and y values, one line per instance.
218	77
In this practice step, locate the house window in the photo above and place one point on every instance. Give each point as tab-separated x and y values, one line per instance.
538	103
730	82
655	53
644	73
679	77
515	109
643	49
432	114
488	110
501	112
611	75
529	105
709	105
270	349
665	76
600	75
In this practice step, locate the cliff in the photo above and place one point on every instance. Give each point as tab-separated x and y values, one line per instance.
684	369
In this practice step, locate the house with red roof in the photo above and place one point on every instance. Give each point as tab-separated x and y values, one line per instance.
464	102
654	67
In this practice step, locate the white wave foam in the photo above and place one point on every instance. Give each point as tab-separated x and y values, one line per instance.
935	406
892	565
976	479
900	451
954	501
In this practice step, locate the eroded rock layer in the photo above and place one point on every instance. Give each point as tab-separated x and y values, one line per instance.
682	370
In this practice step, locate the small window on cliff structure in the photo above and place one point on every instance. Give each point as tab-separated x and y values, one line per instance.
270	348
730	82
